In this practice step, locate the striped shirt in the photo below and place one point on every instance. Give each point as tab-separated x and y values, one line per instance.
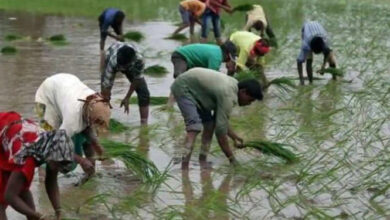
134	71
310	30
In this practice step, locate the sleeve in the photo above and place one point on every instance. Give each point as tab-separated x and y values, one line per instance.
214	63
224	108
108	75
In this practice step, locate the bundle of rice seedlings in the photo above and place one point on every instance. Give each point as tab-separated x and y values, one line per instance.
142	167
154	100
243	75
179	37
282	82
116	127
155	70
273	148
333	71
58	39
134	36
244	8
8	50
12	37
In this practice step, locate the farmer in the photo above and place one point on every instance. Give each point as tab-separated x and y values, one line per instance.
64	102
257	19
207	97
190	11
110	17
314	39
125	58
203	55
23	147
251	48
213	10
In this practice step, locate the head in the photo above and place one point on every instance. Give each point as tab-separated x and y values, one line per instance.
249	90
258	25
317	45
260	48
99	114
53	147
126	57
229	52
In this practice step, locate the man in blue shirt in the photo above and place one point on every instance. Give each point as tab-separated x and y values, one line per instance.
314	39
110	17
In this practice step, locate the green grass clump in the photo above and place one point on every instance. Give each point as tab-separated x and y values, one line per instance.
282	82
8	50
58	39
179	37
142	167
273	148
333	71
244	8
134	36
243	75
155	70
12	37
154	100
116	126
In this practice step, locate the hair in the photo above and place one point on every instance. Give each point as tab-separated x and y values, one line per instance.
264	41
125	55
252	87
258	25
317	45
228	48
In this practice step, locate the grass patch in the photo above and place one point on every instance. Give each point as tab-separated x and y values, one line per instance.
134	36
142	167
273	148
333	71
8	50
154	100
58	39
116	126
155	70
179	37
243	8
12	37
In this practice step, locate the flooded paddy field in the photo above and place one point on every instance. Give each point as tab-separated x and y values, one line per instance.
340	130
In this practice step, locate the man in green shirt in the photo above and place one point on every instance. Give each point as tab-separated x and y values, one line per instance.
198	93
204	55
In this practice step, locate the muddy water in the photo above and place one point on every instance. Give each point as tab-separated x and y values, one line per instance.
339	129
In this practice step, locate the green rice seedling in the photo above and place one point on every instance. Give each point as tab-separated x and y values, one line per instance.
179	37
155	70
12	37
154	100
58	39
333	71
134	36
273	148
243	7
243	75
282	82
8	50
143	168
116	126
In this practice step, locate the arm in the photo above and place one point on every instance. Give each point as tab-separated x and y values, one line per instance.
52	189
93	141
238	141
224	144
14	187
107	79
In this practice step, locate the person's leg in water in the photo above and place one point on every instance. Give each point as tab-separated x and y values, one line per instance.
216	20
309	67
28	199
207	135
3	215
143	101
185	17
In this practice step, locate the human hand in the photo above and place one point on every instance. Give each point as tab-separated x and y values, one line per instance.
125	103
87	166
238	142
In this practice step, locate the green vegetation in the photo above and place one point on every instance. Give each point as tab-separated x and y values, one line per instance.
58	40
154	100
273	148
116	126
8	50
134	36
333	71
156	71
179	37
12	37
243	75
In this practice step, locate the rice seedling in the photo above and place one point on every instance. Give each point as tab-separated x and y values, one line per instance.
8	50
116	126
333	71
243	8
154	100
178	37
58	40
273	148
12	37
156	71
244	75
143	168
282	82
134	36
